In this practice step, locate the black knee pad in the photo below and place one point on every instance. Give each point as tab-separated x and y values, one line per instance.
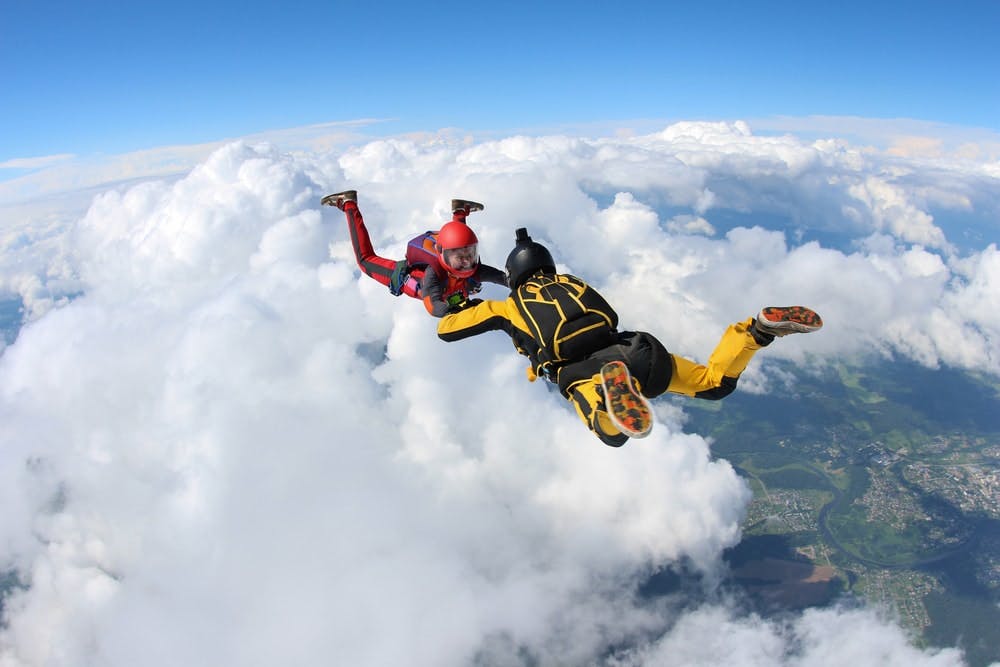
648	361
725	388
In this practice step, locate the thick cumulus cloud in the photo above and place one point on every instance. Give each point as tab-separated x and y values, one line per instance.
224	446
714	635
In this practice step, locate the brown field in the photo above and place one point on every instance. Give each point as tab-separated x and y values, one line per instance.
787	583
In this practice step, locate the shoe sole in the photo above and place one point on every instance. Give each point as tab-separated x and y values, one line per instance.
472	206
346	195
789	319
628	409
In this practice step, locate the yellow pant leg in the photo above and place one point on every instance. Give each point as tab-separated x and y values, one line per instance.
591	411
729	359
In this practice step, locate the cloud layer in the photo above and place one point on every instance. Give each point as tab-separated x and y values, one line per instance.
221	445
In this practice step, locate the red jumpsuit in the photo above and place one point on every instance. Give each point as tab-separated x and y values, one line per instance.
430	282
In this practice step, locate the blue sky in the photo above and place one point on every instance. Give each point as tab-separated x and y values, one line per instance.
110	77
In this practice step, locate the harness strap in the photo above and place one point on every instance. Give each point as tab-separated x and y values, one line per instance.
397	279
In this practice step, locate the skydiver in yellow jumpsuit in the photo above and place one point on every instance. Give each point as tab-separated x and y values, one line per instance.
569	333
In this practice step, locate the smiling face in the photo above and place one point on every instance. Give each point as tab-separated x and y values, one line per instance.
462	259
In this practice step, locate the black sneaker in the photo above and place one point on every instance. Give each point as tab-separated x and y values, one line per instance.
338	198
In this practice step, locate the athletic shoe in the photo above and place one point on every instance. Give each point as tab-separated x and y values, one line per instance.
784	320
465	205
338	198
629	411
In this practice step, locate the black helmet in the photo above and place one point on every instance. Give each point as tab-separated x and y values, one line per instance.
526	258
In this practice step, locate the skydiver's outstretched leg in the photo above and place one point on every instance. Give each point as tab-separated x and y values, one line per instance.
717	379
647	359
388	272
378	268
461	208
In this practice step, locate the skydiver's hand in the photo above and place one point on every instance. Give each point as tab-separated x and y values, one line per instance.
456	305
463	304
539	370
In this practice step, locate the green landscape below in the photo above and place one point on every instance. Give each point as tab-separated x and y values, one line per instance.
872	481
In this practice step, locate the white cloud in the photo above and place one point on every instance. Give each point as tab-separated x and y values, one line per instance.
891	212
35	162
204	462
690	224
897	136
713	635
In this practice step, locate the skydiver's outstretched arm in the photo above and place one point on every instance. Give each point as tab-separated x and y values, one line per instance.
486	316
435	287
492	316
490	274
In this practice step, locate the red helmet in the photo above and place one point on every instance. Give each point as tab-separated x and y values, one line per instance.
458	249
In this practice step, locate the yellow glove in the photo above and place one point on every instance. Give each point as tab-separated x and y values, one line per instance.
531	374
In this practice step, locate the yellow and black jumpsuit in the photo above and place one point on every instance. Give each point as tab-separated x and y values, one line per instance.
655	370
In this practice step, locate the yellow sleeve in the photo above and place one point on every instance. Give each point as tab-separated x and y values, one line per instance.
492	316
486	316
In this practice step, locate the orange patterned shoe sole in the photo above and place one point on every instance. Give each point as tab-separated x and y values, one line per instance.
784	320
627	408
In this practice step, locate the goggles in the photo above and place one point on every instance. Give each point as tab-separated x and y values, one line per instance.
465	257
